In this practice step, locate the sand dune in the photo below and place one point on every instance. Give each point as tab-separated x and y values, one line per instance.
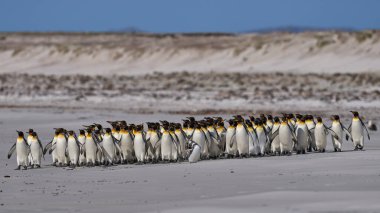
60	53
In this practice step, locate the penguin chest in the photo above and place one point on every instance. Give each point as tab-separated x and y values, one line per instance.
356	130
166	144
81	139
338	130
72	145
21	149
35	147
61	144
284	134
139	143
108	144
195	155
302	134
199	138
241	135
90	146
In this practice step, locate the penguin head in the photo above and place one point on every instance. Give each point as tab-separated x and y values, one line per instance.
319	119
108	131
355	113
139	128
252	118
191	119
221	124
33	134
98	126
20	133
302	120
71	132
258	122
290	116
231	122
270	117
248	123
122	123
276	120
298	116
165	127
335	118
30	131
263	120
81	132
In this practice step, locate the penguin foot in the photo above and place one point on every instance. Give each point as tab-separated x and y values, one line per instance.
24	168
37	166
18	168
54	164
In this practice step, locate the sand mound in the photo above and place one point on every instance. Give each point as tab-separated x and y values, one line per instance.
59	53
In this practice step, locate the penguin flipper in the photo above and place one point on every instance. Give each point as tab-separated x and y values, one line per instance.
13	148
42	148
365	127
52	149
233	140
47	147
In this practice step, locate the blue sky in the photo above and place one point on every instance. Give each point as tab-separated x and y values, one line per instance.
185	15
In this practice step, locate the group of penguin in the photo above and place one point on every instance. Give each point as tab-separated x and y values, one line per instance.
193	140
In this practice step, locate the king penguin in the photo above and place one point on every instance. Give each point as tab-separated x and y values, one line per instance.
356	129
22	151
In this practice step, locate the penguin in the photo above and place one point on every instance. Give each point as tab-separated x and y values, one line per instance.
98	133
73	149
320	133
199	137
261	136
214	151
195	152
166	144
252	148
22	151
91	148
269	123
339	129
221	130
29	139
153	136
275	145
50	145
36	150
242	137
302	134
82	140
61	148
126	144
175	144
286	137
231	147
206	148
140	144
311	126
356	129
181	135
110	147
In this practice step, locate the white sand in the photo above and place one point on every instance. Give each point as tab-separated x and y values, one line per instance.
318	182
325	52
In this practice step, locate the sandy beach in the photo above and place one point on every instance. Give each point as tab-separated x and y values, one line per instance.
316	182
